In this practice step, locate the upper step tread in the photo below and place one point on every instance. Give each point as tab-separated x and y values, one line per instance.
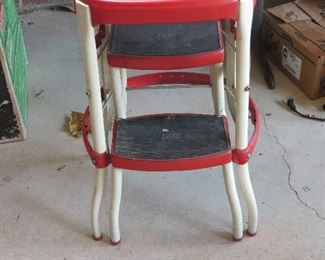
165	39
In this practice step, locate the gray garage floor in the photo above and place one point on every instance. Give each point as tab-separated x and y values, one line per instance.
46	182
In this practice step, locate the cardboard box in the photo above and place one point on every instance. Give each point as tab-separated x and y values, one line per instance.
294	39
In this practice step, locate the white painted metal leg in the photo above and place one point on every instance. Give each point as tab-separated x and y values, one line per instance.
97	201
247	189
231	189
109	109
103	64
87	32
124	84
92	76
101	53
124	76
115	205
118	92
105	82
217	88
230	44
242	98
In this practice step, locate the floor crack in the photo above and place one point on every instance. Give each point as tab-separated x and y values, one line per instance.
290	174
265	124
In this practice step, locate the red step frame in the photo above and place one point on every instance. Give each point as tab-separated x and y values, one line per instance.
239	156
190	163
169	62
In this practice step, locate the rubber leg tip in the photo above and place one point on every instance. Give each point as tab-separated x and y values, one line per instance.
115	243
98	238
237	239
251	234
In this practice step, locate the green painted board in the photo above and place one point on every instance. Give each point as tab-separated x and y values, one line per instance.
14	65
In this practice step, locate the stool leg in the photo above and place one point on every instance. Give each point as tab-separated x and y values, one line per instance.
242	99
115	205
218	94
119	94
229	179
230	43
217	88
247	189
119	91
124	84
92	74
109	106
97	202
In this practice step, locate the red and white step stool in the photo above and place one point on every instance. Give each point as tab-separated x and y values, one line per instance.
168	35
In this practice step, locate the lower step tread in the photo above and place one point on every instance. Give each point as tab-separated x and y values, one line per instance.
170	137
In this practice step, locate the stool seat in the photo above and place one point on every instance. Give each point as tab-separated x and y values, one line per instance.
170	142
166	46
160	11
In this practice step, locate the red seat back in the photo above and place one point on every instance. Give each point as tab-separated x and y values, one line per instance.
160	11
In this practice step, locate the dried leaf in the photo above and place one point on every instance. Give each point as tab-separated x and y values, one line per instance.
75	124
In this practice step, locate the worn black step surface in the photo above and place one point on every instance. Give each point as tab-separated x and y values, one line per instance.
165	39
164	137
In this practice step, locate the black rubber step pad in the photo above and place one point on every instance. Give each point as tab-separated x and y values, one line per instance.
164	137
165	39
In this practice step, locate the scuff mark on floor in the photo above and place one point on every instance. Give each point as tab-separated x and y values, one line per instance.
284	159
61	167
39	93
17	218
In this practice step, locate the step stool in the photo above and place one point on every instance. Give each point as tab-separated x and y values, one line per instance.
167	35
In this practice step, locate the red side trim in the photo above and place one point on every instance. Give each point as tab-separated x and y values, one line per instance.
165	62
169	62
172	165
241	156
99	160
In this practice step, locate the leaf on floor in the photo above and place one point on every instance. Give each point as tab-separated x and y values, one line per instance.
75	124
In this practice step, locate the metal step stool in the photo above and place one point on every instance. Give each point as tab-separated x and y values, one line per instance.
167	35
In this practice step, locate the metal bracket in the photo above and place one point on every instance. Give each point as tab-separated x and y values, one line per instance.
241	156
100	160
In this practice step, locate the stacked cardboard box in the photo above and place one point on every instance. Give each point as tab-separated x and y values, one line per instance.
294	38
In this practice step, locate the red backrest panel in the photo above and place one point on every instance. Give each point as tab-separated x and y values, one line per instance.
160	11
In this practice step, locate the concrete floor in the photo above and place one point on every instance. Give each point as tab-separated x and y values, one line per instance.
46	182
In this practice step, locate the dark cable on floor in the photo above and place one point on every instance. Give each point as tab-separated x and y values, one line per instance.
293	108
